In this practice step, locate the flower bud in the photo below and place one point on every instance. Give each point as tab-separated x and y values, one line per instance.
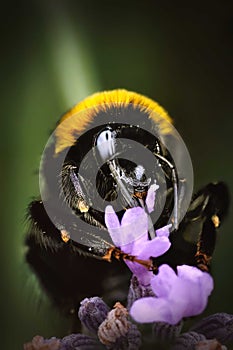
79	341
117	332
92	312
219	326
188	341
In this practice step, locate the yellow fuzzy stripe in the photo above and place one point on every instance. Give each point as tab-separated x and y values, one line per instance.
85	111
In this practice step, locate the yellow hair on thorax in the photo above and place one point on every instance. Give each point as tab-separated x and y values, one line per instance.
85	111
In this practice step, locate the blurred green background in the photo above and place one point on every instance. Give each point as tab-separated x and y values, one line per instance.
53	54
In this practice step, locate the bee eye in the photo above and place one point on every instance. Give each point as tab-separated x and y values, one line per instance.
105	143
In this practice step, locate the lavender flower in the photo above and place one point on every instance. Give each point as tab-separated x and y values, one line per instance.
80	342
113	328
117	332
92	312
219	326
39	343
177	296
163	299
131	235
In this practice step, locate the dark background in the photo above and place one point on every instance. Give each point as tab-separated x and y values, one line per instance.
53	54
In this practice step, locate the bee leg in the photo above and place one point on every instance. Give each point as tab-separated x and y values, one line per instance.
72	185
206	245
72	189
215	207
194	241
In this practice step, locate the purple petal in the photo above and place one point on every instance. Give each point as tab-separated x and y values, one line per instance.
188	297
196	286
153	248
207	283
163	231
132	247
150	198
163	282
147	310
177	296
133	226
143	250
188	292
143	274
194	274
189	272
111	218
113	225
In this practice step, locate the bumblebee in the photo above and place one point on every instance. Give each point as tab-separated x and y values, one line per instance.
110	148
